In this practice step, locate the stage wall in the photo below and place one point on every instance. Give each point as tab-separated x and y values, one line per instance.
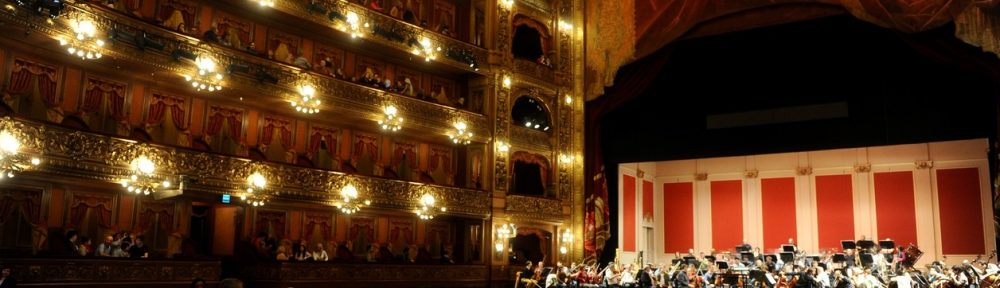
934	195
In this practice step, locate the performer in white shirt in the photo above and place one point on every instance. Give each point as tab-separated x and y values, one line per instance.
823	277
627	277
903	281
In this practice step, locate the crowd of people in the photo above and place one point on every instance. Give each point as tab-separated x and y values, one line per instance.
878	267
266	246
121	245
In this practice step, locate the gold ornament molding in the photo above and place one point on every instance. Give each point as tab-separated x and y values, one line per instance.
90	156
923	164
533	207
863	168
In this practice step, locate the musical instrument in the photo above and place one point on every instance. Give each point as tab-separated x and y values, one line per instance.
912	255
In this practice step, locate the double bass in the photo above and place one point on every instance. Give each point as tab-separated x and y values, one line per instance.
990	280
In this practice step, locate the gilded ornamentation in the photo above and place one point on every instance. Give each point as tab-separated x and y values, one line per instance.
700	176
530	68
523	136
801	171
925	164
98	271
750	174
534	207
91	156
862	168
291	272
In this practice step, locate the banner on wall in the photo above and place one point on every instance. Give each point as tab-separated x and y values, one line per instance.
597	226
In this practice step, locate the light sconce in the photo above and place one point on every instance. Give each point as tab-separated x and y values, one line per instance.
568	99
143	178
506	81
426	49
461	135
566	158
567	238
502	147
307	103
265	3
507	3
427	208
391	121
349	203
207	77
12	159
84	43
564	26
505	232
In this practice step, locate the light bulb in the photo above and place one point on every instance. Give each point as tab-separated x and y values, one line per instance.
8	143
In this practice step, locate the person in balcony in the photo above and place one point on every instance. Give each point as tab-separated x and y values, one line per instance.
442	98
408	14
319	254
139	250
397	9
212	35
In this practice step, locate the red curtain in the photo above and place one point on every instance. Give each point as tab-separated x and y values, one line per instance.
96	92
411	155
318	136
630	82
440	156
323	222
273	219
150	211
160	105
403	232
268	133
22	75
30	204
168	9
99	206
365	142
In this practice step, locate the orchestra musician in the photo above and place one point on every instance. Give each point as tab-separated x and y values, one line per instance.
682	279
528	276
842	281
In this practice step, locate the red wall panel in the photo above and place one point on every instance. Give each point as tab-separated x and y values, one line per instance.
647	200
834	210
628	219
727	214
678	215
961	211
778	204
895	214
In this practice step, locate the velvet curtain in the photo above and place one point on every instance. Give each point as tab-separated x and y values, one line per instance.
29	203
160	105
321	221
317	139
22	76
363	143
100	207
97	92
275	220
411	155
630	82
439	157
268	134
222	117
150	211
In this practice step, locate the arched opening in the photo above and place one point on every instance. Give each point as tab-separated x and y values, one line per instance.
530	39
530	174
530	113
529	246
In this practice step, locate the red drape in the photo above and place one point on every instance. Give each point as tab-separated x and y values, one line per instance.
444	157
160	105
149	213
22	75
365	142
283	128
318	136
168	9
98	205
96	93
401	232
222	116
409	150
29	203
630	82
321	220
274	219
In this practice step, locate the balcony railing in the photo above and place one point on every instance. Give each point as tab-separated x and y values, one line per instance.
110	272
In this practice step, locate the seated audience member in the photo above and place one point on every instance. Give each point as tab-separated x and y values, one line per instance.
385	253
106	248
319	254
7	279
230	283
139	249
198	283
86	246
282	255
72	244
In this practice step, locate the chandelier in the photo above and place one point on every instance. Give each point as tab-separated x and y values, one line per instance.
426	49
461	134
506	231
84	43
12	159
391	120
308	103
143	178
255	196
349	203
207	78
427	209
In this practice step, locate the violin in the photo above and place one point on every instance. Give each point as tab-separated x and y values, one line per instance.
695	281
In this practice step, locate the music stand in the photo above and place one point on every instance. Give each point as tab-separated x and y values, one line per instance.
746	256
839	258
690	260
743	248
710	258
848	244
759	276
772	257
887	244
787	257
675	261
825	268
731	279
546	271
866	244
866	259
787	248
722	264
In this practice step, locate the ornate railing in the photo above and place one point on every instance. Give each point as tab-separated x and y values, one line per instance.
534	207
530	68
110	272
389	31
318	274
70	153
140	42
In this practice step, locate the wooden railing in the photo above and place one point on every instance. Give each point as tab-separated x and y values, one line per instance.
110	272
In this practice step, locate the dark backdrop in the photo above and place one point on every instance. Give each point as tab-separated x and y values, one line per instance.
897	88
